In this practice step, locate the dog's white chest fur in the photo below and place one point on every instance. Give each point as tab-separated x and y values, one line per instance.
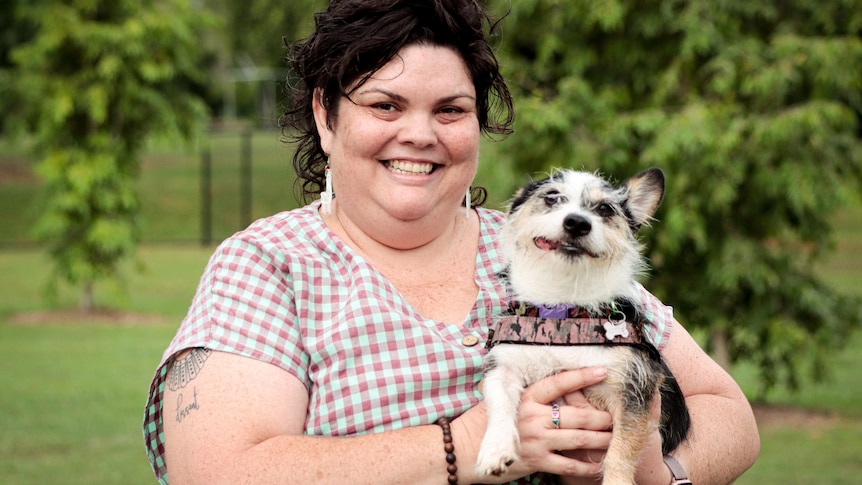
529	363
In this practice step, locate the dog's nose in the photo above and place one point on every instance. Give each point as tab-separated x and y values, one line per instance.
577	225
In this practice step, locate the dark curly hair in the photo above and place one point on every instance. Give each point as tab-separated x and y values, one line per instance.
354	38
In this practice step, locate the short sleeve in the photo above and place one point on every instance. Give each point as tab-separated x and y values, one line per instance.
245	306
659	316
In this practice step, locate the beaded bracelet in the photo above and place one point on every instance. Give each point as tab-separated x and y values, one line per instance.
449	448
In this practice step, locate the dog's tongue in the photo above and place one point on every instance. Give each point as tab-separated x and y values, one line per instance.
546	244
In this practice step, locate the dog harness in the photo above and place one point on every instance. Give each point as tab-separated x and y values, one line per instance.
619	323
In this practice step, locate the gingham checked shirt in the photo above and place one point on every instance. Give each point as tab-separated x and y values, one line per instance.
289	292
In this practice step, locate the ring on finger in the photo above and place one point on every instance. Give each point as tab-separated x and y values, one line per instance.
555	415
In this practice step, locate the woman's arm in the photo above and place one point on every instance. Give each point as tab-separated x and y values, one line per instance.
239	420
724	441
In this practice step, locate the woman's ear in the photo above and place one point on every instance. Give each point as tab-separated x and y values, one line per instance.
320	120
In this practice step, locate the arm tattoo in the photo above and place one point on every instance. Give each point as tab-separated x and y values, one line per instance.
184	370
183	411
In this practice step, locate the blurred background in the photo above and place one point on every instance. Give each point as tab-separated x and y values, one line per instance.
136	135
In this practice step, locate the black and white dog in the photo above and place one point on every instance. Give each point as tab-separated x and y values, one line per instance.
572	257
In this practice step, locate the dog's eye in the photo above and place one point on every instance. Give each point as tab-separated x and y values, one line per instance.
554	198
605	210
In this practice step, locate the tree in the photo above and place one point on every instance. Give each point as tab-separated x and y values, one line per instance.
253	47
254	28
14	30
753	111
98	79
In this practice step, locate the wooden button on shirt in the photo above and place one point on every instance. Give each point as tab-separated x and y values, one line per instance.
470	340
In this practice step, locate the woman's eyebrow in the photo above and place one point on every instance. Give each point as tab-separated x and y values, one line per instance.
399	98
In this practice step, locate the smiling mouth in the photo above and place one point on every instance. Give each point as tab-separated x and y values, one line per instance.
409	168
567	248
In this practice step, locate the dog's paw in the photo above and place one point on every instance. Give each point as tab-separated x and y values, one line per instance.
494	466
494	459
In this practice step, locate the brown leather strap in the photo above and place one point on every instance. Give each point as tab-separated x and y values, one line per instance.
680	476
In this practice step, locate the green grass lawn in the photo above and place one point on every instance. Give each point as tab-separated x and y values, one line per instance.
814	454
813	436
72	401
72	387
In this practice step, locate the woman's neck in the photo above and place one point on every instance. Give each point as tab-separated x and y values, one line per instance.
425	240
437	278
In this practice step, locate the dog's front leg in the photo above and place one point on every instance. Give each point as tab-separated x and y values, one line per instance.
502	388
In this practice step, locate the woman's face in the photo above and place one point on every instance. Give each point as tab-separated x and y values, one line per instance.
405	145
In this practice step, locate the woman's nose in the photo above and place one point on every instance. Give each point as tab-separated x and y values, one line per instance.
418	130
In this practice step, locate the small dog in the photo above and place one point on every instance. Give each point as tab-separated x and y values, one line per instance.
572	257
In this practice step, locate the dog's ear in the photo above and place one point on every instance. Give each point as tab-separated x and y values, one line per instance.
646	191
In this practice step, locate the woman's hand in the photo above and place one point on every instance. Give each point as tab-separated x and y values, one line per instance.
582	427
577	447
597	455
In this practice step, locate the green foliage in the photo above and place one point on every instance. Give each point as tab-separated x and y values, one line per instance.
252	37
753	112
95	82
254	28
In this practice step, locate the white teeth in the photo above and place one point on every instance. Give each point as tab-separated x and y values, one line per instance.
399	166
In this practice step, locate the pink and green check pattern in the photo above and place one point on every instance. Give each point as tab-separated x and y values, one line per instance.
288	292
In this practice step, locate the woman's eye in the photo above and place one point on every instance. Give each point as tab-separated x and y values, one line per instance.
450	113
385	107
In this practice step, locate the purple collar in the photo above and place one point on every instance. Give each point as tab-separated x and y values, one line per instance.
559	311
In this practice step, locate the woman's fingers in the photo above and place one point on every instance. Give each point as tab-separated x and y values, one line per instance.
565	388
579	439
581	418
594	455
563	465
553	387
567	417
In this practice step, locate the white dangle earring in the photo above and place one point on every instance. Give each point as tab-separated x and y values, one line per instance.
467	203
326	195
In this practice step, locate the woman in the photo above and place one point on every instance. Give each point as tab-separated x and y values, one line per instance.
325	343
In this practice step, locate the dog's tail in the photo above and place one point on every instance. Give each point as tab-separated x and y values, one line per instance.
675	419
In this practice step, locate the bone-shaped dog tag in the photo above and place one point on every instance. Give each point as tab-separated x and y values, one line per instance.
616	329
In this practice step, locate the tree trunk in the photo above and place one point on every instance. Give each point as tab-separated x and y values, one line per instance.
86	304
720	348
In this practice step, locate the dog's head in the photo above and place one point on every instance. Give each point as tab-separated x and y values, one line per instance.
570	238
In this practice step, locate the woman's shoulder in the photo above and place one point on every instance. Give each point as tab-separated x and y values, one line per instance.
491	218
295	231
302	222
